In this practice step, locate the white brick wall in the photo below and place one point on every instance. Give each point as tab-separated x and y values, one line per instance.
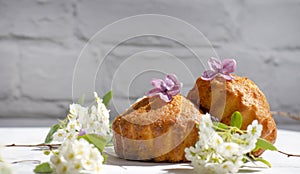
40	41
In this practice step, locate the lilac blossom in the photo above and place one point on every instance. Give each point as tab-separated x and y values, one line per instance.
81	132
224	69
165	89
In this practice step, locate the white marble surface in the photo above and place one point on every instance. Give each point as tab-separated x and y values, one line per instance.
288	141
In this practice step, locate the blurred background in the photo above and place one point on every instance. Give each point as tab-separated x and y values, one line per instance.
40	41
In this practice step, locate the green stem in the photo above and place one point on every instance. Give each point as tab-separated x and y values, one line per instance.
218	128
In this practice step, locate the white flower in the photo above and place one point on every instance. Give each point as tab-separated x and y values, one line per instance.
71	136
77	111
74	126
252	144
254	129
96	96
60	135
245	142
206	121
229	149
230	167
77	156
217	141
213	168
98	120
55	160
206	132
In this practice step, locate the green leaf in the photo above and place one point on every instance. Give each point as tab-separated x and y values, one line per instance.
236	120
104	158
52	130
81	100
96	140
107	97
265	145
46	152
43	168
264	161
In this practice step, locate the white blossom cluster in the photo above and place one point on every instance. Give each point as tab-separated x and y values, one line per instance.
85	120
79	156
221	152
76	156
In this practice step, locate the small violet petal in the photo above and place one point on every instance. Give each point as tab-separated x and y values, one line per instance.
164	97
209	75
214	64
157	83
81	132
174	91
174	79
228	66
153	92
227	77
169	83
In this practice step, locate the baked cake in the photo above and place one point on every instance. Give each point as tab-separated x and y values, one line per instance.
222	97
157	128
152	129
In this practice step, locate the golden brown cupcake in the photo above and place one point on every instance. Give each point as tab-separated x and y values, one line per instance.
157	130
221	97
152	129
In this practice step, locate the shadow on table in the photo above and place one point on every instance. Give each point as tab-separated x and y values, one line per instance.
191	171
114	160
179	171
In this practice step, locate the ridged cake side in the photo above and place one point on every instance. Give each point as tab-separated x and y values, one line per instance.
154	130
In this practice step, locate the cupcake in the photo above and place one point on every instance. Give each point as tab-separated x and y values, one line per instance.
221	94
158	127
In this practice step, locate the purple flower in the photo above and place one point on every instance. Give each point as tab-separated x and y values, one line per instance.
81	132
165	89
224	69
